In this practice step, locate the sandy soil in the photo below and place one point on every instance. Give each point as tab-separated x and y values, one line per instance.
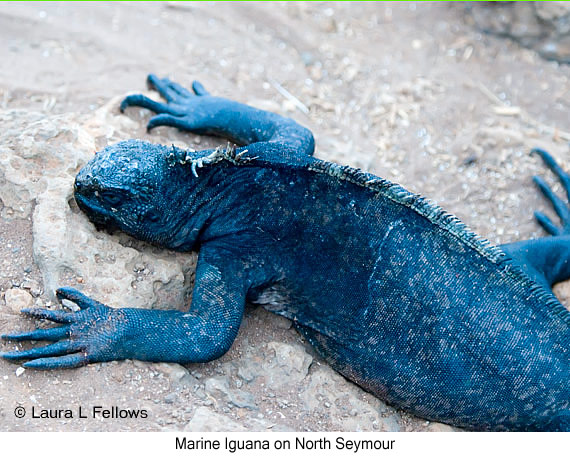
409	92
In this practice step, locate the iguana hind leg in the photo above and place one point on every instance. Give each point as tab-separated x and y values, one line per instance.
547	260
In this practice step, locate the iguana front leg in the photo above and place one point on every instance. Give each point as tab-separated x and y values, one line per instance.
204	114
99	333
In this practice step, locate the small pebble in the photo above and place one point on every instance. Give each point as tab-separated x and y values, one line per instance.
70	305
17	299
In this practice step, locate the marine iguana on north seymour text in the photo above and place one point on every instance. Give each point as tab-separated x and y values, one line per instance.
395	293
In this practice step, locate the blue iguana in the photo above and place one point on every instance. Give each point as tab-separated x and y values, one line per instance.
396	294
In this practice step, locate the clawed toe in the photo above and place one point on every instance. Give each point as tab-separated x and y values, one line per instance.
57	316
547	224
60	354
60	362
169	90
51	334
167	120
71	294
199	89
561	208
555	167
145	102
58	348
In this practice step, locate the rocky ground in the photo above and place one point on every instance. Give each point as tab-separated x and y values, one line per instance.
544	27
410	92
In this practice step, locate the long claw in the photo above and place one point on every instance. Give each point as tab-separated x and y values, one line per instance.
154	82
59	348
181	91
560	206
145	102
165	88
53	334
199	89
61	362
71	294
551	163
167	120
547	224
57	316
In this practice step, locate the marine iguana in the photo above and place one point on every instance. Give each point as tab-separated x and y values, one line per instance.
396	294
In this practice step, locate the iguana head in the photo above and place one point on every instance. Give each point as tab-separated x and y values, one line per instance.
130	186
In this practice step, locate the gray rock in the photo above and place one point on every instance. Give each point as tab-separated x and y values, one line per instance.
345	406
206	420
178	375
33	286
70	305
248	369
39	157
219	389
170	398
17	299
282	322
279	363
553	11
440	427
243	399
542	27
285	364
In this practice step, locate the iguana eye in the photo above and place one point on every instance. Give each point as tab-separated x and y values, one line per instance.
152	217
109	197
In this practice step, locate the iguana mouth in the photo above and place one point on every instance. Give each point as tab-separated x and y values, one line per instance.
96	214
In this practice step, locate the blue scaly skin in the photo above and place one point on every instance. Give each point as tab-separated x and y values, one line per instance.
396	294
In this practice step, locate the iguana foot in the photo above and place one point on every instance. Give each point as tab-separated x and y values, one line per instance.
562	208
178	111
84	336
547	260
204	114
